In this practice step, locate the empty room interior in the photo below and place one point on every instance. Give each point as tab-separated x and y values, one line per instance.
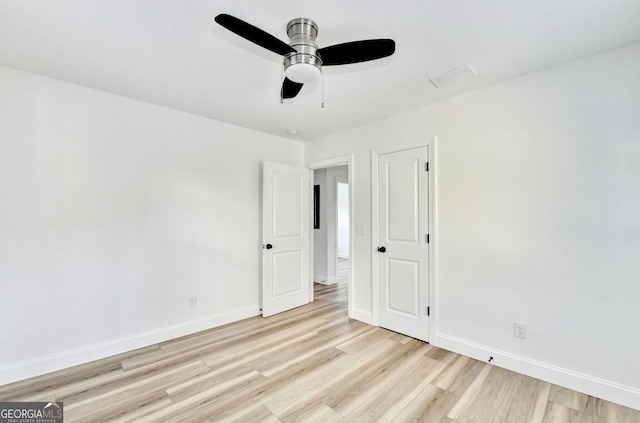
208	208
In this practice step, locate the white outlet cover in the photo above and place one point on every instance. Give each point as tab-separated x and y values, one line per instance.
192	301
520	330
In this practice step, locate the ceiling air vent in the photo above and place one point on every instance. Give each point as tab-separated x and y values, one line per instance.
453	75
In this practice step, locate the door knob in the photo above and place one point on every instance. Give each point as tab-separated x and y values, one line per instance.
268	246
382	249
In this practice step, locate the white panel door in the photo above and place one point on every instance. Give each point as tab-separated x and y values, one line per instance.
286	247
403	250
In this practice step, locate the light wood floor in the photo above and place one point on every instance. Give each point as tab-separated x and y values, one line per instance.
311	364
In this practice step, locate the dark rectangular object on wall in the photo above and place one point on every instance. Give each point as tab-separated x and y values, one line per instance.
316	207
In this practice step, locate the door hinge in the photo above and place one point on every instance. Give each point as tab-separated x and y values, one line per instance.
428	311
426	166
426	238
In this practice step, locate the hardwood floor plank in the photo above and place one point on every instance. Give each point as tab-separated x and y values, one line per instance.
204	382
177	410
258	414
605	411
558	413
482	400
256	348
74	393
143	359
270	364
296	396
432	404
49	383
128	407
360	342
394	396
263	390
525	402
442	355
572	399
589	413
354	330
219	353
357	389
314	412
132	391
459	374
140	410
368	338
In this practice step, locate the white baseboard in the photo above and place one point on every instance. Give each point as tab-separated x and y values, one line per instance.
65	359
610	391
332	280
363	316
320	279
324	280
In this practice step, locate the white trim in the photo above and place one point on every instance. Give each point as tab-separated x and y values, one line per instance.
320	279
596	387
361	315
312	277
433	237
65	359
325	280
335	161
339	161
375	265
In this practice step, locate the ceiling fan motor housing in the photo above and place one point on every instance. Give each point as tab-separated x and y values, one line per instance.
304	65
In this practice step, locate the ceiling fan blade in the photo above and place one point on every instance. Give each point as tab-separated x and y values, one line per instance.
290	89
356	52
253	34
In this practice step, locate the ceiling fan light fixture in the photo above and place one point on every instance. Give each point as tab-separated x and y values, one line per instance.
302	73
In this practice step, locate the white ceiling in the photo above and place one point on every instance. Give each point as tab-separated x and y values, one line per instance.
172	53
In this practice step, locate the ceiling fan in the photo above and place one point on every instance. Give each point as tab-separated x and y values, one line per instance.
302	59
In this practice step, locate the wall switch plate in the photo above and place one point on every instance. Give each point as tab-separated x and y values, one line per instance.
520	330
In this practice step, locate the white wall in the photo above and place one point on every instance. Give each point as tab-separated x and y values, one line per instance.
112	213
538	220
342	196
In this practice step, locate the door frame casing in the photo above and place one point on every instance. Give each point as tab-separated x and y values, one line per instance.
323	164
430	143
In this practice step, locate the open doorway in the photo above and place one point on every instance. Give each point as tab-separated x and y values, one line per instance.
332	237
331	224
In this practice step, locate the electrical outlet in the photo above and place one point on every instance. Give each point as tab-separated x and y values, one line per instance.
520	330
192	301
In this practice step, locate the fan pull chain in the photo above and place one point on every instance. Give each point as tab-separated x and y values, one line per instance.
281	81
322	83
